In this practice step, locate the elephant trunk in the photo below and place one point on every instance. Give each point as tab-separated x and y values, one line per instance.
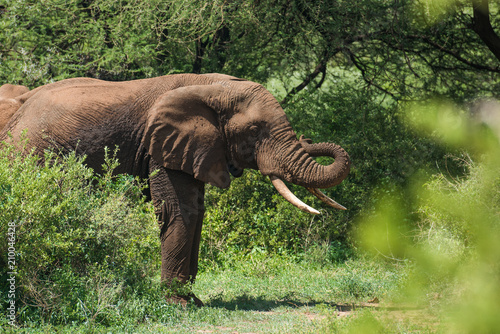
315	175
294	163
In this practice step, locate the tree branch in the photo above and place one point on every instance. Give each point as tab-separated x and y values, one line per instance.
200	51
320	68
481	24
323	77
362	69
454	54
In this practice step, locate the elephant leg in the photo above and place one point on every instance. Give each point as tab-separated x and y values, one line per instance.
178	199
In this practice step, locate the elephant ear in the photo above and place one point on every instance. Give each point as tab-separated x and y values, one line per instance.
182	133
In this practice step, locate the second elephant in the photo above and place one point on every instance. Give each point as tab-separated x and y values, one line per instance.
10	101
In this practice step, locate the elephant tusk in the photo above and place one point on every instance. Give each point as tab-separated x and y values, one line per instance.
287	194
325	199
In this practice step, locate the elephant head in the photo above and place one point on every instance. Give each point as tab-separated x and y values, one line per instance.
10	101
223	125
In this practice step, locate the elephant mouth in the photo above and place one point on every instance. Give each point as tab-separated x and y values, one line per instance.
235	171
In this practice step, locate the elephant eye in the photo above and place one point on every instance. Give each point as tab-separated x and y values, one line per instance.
254	130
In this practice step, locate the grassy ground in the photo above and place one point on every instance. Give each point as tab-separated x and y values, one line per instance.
275	295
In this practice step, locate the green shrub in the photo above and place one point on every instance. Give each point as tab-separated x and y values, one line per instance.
251	216
81	240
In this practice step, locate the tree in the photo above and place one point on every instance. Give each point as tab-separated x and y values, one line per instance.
389	43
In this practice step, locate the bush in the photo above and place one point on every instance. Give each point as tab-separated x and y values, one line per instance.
80	239
251	216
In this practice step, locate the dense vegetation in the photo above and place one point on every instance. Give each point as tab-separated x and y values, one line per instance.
344	71
75	235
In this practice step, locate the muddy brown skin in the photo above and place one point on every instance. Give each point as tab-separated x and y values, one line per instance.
10	101
192	129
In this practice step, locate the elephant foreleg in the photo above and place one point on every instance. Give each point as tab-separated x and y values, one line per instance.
178	199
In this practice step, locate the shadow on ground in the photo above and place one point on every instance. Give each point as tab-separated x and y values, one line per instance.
251	303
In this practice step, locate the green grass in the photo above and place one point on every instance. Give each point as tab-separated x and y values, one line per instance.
261	294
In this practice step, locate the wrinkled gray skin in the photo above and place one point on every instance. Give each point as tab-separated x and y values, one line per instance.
192	129
10	100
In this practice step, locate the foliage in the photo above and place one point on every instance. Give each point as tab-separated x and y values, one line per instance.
249	221
455	244
406	49
80	240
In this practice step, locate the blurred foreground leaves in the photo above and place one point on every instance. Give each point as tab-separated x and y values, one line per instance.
448	227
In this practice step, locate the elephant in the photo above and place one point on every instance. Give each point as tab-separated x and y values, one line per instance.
187	129
10	100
